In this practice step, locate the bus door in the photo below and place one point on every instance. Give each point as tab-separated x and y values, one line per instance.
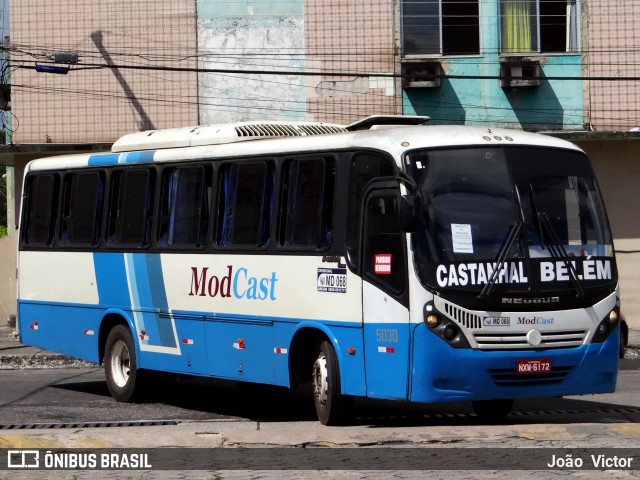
384	294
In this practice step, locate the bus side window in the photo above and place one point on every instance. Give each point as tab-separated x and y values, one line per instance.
364	168
131	208
41	210
184	209
307	203
245	204
384	244
81	208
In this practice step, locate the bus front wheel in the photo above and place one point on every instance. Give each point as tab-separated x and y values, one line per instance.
120	364
330	404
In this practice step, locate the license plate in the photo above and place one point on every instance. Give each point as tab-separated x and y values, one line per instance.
533	366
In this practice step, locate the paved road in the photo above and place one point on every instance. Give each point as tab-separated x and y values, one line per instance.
80	395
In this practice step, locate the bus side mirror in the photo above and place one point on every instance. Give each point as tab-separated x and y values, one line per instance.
408	211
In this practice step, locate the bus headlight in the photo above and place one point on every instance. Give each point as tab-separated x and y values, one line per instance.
607	325
444	327
432	320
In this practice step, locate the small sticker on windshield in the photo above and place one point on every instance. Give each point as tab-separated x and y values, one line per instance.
461	238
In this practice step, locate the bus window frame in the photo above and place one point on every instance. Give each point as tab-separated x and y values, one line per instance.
69	176
27	212
328	216
272	165
383	187
149	241
205	237
354	206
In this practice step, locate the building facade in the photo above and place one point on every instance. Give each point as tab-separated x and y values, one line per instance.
564	67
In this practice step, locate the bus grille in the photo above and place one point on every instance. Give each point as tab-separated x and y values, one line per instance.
464	318
500	341
508	378
285	130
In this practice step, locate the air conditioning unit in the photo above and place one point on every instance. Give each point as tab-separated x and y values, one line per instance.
519	73
421	74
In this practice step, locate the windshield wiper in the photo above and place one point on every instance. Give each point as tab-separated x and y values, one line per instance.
556	249
514	233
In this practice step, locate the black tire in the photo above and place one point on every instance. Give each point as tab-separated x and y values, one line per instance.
624	338
120	365
493	410
325	380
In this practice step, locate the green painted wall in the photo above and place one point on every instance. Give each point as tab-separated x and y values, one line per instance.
555	104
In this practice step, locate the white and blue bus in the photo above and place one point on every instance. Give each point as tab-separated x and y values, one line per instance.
387	259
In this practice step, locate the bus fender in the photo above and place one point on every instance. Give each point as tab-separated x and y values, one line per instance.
112	317
352	377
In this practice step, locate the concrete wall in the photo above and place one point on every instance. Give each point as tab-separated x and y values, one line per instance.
101	104
614	33
250	36
294	36
350	36
8	244
7	276
618	171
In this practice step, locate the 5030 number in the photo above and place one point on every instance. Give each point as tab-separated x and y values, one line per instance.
386	335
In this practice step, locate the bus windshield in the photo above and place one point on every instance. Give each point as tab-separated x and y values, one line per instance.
531	215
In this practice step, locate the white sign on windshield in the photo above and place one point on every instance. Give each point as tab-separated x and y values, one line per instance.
461	238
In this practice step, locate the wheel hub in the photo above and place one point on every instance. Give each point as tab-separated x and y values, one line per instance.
320	383
120	363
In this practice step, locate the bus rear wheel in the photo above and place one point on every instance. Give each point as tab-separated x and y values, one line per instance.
325	379
120	364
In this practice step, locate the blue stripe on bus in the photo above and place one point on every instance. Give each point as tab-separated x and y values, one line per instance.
103	159
137	157
146	282
115	158
111	279
139	285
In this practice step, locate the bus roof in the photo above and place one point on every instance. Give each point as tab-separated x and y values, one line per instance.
277	138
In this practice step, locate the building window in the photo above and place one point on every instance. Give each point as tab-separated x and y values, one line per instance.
548	26
447	27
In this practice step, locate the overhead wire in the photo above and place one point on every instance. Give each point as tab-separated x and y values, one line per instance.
269	65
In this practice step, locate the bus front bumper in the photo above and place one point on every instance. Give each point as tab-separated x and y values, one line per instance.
441	373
